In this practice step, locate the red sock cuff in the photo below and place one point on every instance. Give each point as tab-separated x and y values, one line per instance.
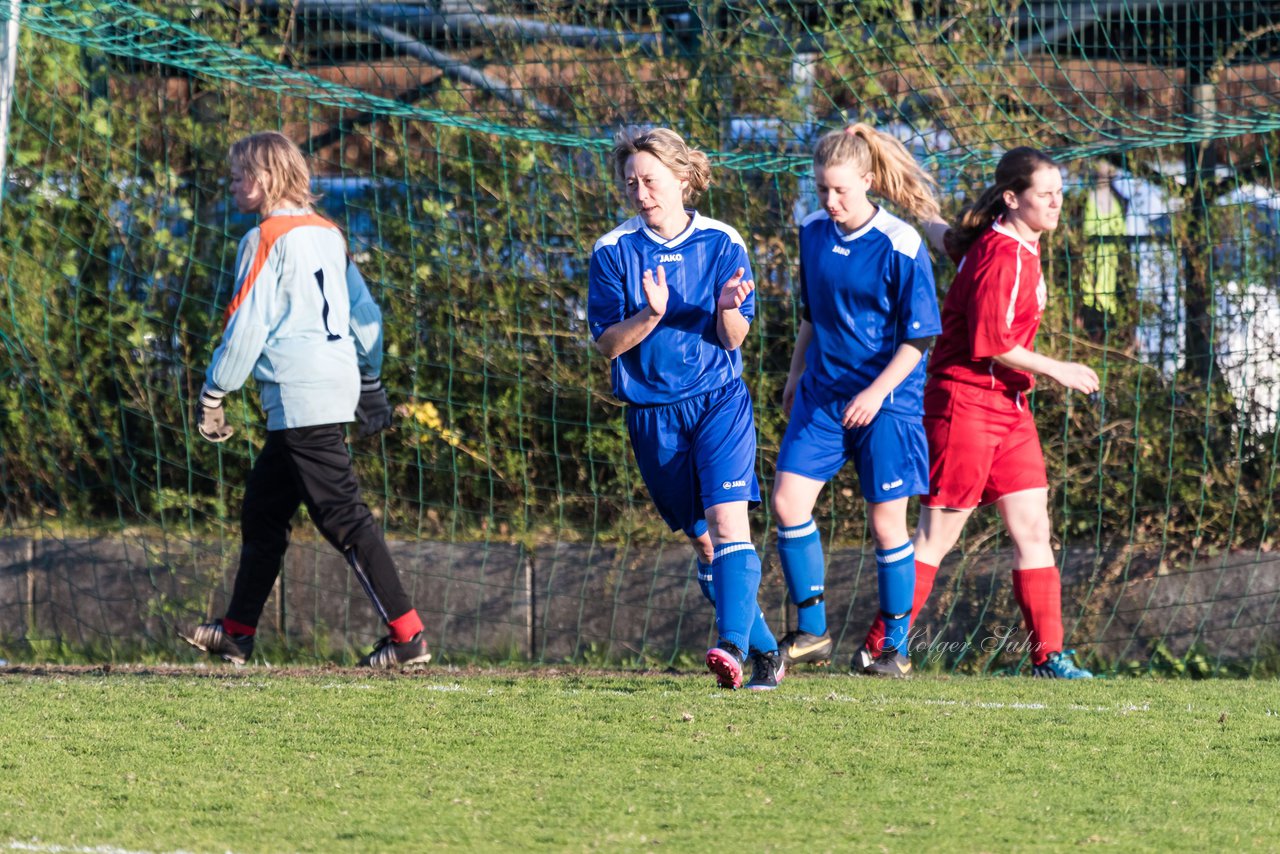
405	626
232	627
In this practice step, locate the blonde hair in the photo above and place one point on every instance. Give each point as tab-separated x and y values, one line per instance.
689	164
895	173
1013	175
277	164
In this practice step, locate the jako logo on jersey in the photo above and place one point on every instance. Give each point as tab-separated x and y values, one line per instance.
840	250
667	259
731	484
888	486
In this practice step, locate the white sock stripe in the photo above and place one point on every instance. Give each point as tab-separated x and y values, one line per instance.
733	548
896	555
810	527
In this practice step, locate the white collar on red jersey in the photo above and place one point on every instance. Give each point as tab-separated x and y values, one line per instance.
1000	228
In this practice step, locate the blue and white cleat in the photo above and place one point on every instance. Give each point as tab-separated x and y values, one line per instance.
1060	665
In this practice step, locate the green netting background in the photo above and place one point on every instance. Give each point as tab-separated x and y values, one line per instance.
461	145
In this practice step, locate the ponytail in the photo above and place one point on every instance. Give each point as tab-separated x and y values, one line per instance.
1013	174
895	173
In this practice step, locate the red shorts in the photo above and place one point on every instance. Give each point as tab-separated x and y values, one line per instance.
983	445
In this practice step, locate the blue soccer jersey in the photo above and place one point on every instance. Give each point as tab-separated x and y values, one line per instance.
865	293
682	356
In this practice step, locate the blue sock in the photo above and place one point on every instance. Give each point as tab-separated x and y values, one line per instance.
705	582
800	550
737	580
896	574
760	638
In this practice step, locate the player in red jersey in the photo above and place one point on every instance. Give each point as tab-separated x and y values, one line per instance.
983	445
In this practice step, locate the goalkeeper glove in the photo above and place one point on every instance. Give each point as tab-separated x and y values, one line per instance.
211	418
373	412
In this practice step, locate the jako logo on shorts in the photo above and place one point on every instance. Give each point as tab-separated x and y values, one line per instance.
888	486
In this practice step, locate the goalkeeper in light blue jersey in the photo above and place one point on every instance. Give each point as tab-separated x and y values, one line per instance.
302	323
670	300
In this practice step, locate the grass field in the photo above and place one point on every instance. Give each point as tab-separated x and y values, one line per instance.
334	760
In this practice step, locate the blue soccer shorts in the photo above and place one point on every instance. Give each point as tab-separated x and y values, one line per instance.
697	453
891	454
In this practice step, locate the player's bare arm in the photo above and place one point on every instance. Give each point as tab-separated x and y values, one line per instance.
621	337
731	326
860	411
935	232
1072	375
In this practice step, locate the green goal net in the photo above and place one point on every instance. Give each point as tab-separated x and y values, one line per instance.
462	145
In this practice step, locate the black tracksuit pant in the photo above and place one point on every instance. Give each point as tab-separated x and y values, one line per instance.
309	465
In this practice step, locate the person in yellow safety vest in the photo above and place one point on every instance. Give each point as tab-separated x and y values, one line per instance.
1103	228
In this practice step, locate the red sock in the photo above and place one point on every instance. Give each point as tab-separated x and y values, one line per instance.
231	627
405	626
1039	595
924	585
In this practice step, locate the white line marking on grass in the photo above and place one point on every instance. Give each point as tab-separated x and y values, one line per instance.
721	695
883	700
52	848
1036	707
367	686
